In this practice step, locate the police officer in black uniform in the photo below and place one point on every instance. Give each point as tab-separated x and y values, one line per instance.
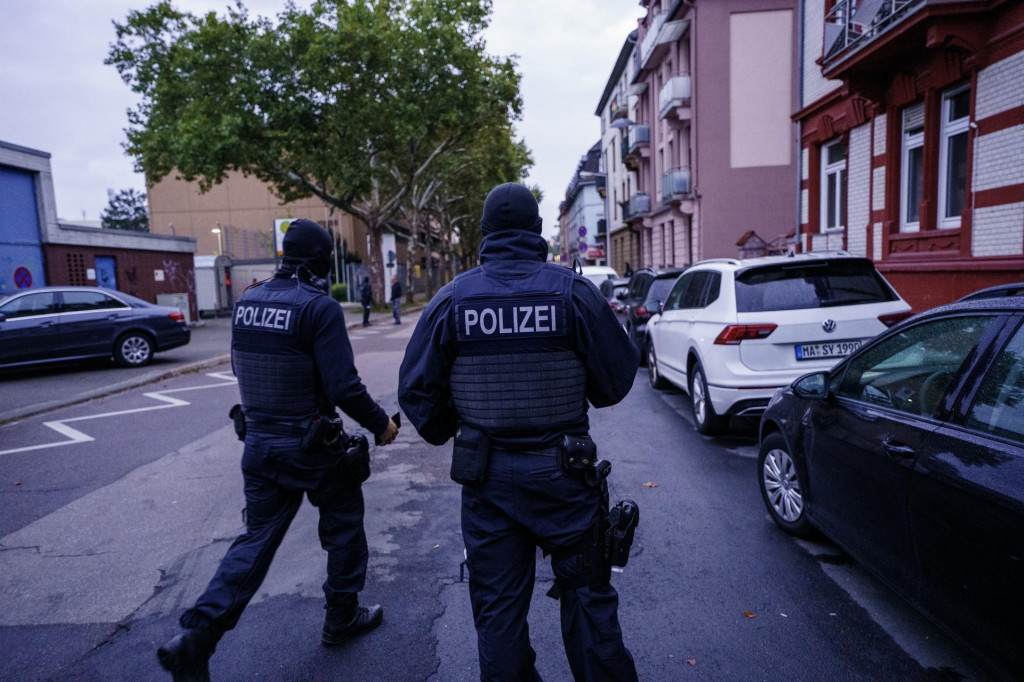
505	358
291	353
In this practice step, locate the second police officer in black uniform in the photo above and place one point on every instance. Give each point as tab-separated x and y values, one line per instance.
504	359
291	353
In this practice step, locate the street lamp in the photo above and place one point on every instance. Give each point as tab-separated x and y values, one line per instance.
220	247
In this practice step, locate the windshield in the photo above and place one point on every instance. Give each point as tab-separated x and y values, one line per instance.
821	284
660	288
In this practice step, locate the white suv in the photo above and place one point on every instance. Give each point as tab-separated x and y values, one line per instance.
732	332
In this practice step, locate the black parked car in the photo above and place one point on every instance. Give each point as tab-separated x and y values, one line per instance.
611	288
909	454
648	289
50	324
1015	289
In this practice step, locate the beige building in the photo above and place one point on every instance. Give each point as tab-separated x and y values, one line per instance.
236	217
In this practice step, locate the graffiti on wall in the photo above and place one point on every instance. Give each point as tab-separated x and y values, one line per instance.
181	279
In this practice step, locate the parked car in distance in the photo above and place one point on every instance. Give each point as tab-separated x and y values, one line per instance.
599	273
648	289
49	324
612	288
909	454
732	332
999	290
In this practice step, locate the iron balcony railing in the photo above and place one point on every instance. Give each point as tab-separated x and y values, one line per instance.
675	184
638	205
852	22
674	93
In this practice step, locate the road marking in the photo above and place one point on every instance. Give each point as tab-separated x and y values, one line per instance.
73	435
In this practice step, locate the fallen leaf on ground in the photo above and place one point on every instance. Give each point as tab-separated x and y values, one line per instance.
748	614
692	661
671	655
650	484
17	483
436	546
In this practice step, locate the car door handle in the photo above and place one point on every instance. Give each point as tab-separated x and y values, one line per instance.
46	324
898	450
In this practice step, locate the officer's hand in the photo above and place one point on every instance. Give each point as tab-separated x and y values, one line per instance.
389	433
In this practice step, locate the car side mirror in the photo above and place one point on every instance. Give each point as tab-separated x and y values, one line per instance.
3	318
661	307
812	386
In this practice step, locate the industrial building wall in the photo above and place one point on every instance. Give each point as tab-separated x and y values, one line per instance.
143	274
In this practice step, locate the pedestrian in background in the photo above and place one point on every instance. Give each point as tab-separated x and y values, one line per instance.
366	298
504	359
396	299
291	375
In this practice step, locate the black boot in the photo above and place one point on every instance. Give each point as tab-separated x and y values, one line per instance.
187	656
345	619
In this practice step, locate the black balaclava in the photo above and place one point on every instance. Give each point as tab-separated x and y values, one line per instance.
306	243
510	207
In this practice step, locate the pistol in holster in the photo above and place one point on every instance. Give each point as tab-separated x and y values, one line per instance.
623	519
322	431
238	417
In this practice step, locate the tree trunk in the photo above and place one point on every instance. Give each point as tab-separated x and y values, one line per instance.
376	267
411	265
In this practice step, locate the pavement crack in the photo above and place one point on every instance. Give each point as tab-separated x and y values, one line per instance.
35	548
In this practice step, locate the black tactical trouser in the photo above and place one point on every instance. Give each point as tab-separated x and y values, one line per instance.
526	503
277	475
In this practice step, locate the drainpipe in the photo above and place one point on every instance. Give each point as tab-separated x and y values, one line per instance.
691	6
799	125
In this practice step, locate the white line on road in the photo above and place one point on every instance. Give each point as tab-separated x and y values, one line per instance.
73	435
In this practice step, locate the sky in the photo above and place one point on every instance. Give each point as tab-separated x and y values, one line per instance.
57	95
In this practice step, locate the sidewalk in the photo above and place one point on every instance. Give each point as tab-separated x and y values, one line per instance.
354	314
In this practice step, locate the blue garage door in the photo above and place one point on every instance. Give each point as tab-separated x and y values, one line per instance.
21	257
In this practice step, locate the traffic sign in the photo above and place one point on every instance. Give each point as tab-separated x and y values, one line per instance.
23	278
583	246
583	231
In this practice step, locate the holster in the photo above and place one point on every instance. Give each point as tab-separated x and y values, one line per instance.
471	454
238	417
352	465
623	519
322	431
577	458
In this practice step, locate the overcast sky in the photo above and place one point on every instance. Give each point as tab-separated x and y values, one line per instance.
56	94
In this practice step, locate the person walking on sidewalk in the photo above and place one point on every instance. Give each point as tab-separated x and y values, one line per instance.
396	299
294	363
366	298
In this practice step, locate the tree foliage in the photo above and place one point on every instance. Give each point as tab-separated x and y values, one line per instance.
351	101
126	210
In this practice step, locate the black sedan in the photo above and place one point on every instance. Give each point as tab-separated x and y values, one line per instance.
51	324
909	454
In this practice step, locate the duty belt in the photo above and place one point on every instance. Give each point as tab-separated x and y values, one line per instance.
280	427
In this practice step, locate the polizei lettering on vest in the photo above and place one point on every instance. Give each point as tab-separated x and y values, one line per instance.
263	318
510	320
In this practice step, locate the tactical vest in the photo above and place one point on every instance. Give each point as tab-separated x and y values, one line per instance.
516	371
277	375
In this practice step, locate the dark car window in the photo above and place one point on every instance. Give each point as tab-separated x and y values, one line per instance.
659	290
43	303
911	370
694	294
672	302
638	285
999	407
714	288
820	284
79	301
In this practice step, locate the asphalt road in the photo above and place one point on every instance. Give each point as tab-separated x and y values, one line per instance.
106	538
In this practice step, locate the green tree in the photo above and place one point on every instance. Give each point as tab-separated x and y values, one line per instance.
126	210
350	101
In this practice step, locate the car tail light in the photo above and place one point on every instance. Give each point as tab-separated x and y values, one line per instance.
177	317
892	318
641	311
735	333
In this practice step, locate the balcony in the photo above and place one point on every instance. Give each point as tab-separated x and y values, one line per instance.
674	98
675	184
851	23
656	41
636	145
638	206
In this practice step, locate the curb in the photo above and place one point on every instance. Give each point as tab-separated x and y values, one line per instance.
116	388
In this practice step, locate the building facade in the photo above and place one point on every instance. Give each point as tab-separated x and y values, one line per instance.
620	180
710	139
36	249
911	135
581	216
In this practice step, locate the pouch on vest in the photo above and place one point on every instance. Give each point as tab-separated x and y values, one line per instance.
470	455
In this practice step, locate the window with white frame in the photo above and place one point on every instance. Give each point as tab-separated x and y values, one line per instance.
956	109
833	186
912	168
